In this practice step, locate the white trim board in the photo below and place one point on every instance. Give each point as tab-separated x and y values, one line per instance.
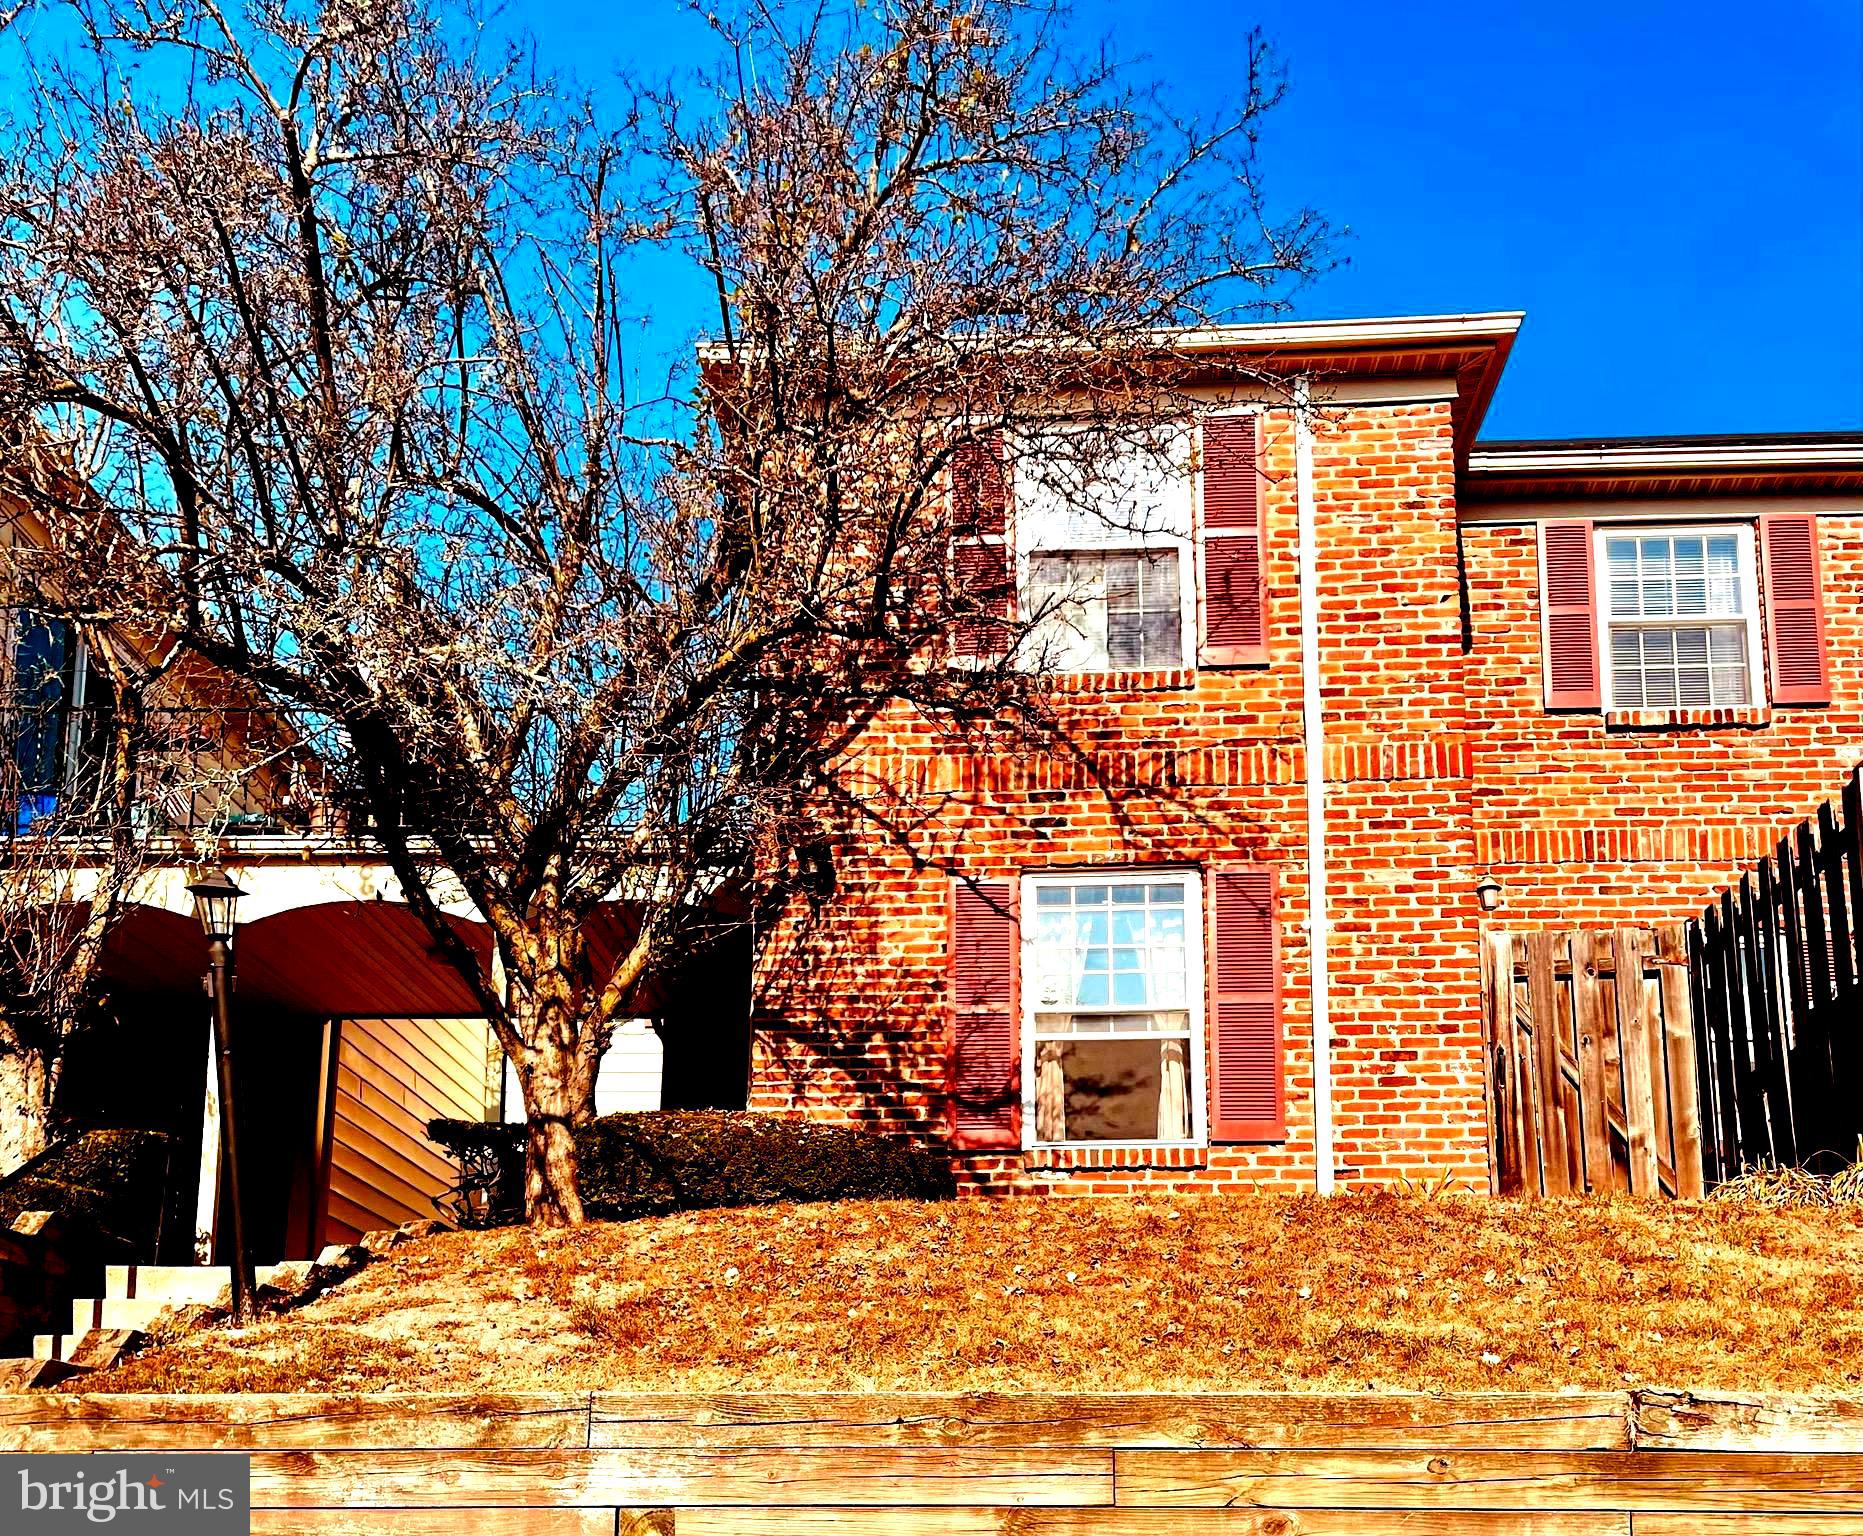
1655	509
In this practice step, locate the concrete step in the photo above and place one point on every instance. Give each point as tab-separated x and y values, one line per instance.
90	1312
27	1375
166	1282
93	1350
53	1346
102	1348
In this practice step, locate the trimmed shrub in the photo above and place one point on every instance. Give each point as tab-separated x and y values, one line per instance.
694	1159
653	1162
106	1184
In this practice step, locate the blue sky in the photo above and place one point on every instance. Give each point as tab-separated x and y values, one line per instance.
1673	192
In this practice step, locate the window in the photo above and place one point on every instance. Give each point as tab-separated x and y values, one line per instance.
57	717
41	692
1105	562
1098	612
1114	1014
1681	618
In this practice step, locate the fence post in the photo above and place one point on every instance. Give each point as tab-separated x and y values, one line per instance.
1588	1016
1633	1045
1846	1059
1810	1054
1687	1084
1769	1047
1550	1025
1494	1067
1727	1079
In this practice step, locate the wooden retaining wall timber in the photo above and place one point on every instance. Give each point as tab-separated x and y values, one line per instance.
1640	1463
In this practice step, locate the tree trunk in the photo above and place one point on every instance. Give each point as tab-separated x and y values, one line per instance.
550	1195
550	1107
25	1108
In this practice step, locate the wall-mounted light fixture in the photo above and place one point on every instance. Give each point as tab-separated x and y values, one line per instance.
1488	892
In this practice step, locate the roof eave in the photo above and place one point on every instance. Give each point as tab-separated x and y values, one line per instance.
1814	463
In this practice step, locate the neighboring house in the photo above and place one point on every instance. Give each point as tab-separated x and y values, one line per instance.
350	1033
1604	673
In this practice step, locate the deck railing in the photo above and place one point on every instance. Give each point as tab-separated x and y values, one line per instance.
226	771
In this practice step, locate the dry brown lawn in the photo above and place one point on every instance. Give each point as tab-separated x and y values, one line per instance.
1239	1292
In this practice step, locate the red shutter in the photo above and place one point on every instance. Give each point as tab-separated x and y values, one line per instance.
1249	1100
1569	617
986	1038
1801	672
1235	607
982	580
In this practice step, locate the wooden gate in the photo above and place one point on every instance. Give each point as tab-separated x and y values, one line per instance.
1592	1085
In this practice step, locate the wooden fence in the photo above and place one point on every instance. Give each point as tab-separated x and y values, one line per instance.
1778	981
1630	1463
1592	1084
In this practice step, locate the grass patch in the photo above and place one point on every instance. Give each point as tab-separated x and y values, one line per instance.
1215	1293
332	1359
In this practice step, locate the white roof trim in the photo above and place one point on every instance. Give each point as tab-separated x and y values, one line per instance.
1681	458
1389	330
1394	330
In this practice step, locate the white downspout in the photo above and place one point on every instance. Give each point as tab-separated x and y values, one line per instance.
1314	745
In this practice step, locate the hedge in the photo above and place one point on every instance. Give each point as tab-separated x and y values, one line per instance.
649	1163
106	1185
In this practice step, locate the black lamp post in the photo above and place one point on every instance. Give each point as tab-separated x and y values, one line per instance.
216	903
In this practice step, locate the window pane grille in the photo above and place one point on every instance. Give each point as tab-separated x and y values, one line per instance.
1659	588
1107	612
1112	1011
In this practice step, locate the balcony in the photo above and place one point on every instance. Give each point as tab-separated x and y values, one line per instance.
213	771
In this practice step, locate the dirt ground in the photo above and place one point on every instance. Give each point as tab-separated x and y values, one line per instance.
1217	1293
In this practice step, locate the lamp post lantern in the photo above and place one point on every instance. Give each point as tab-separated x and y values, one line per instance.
216	904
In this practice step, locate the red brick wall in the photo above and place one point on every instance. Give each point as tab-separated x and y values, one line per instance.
1207	769
1441	765
1581	821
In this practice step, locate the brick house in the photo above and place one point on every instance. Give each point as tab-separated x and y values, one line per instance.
1602	674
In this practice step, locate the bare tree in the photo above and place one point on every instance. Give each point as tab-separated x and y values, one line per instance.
103	781
348	301
72	840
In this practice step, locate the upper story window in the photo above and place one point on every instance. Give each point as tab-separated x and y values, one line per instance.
1105	556
1108	612
1665	618
1146	554
57	714
1681	617
1115	1038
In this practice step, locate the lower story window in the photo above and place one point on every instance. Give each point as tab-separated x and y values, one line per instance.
1114	1016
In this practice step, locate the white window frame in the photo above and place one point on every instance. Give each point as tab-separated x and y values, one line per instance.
1117	541
1191	882
1746	544
1145	552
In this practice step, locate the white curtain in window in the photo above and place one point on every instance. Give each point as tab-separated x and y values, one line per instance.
1050	1093
1173	1091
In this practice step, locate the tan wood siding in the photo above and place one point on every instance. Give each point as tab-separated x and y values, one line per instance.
392	1077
